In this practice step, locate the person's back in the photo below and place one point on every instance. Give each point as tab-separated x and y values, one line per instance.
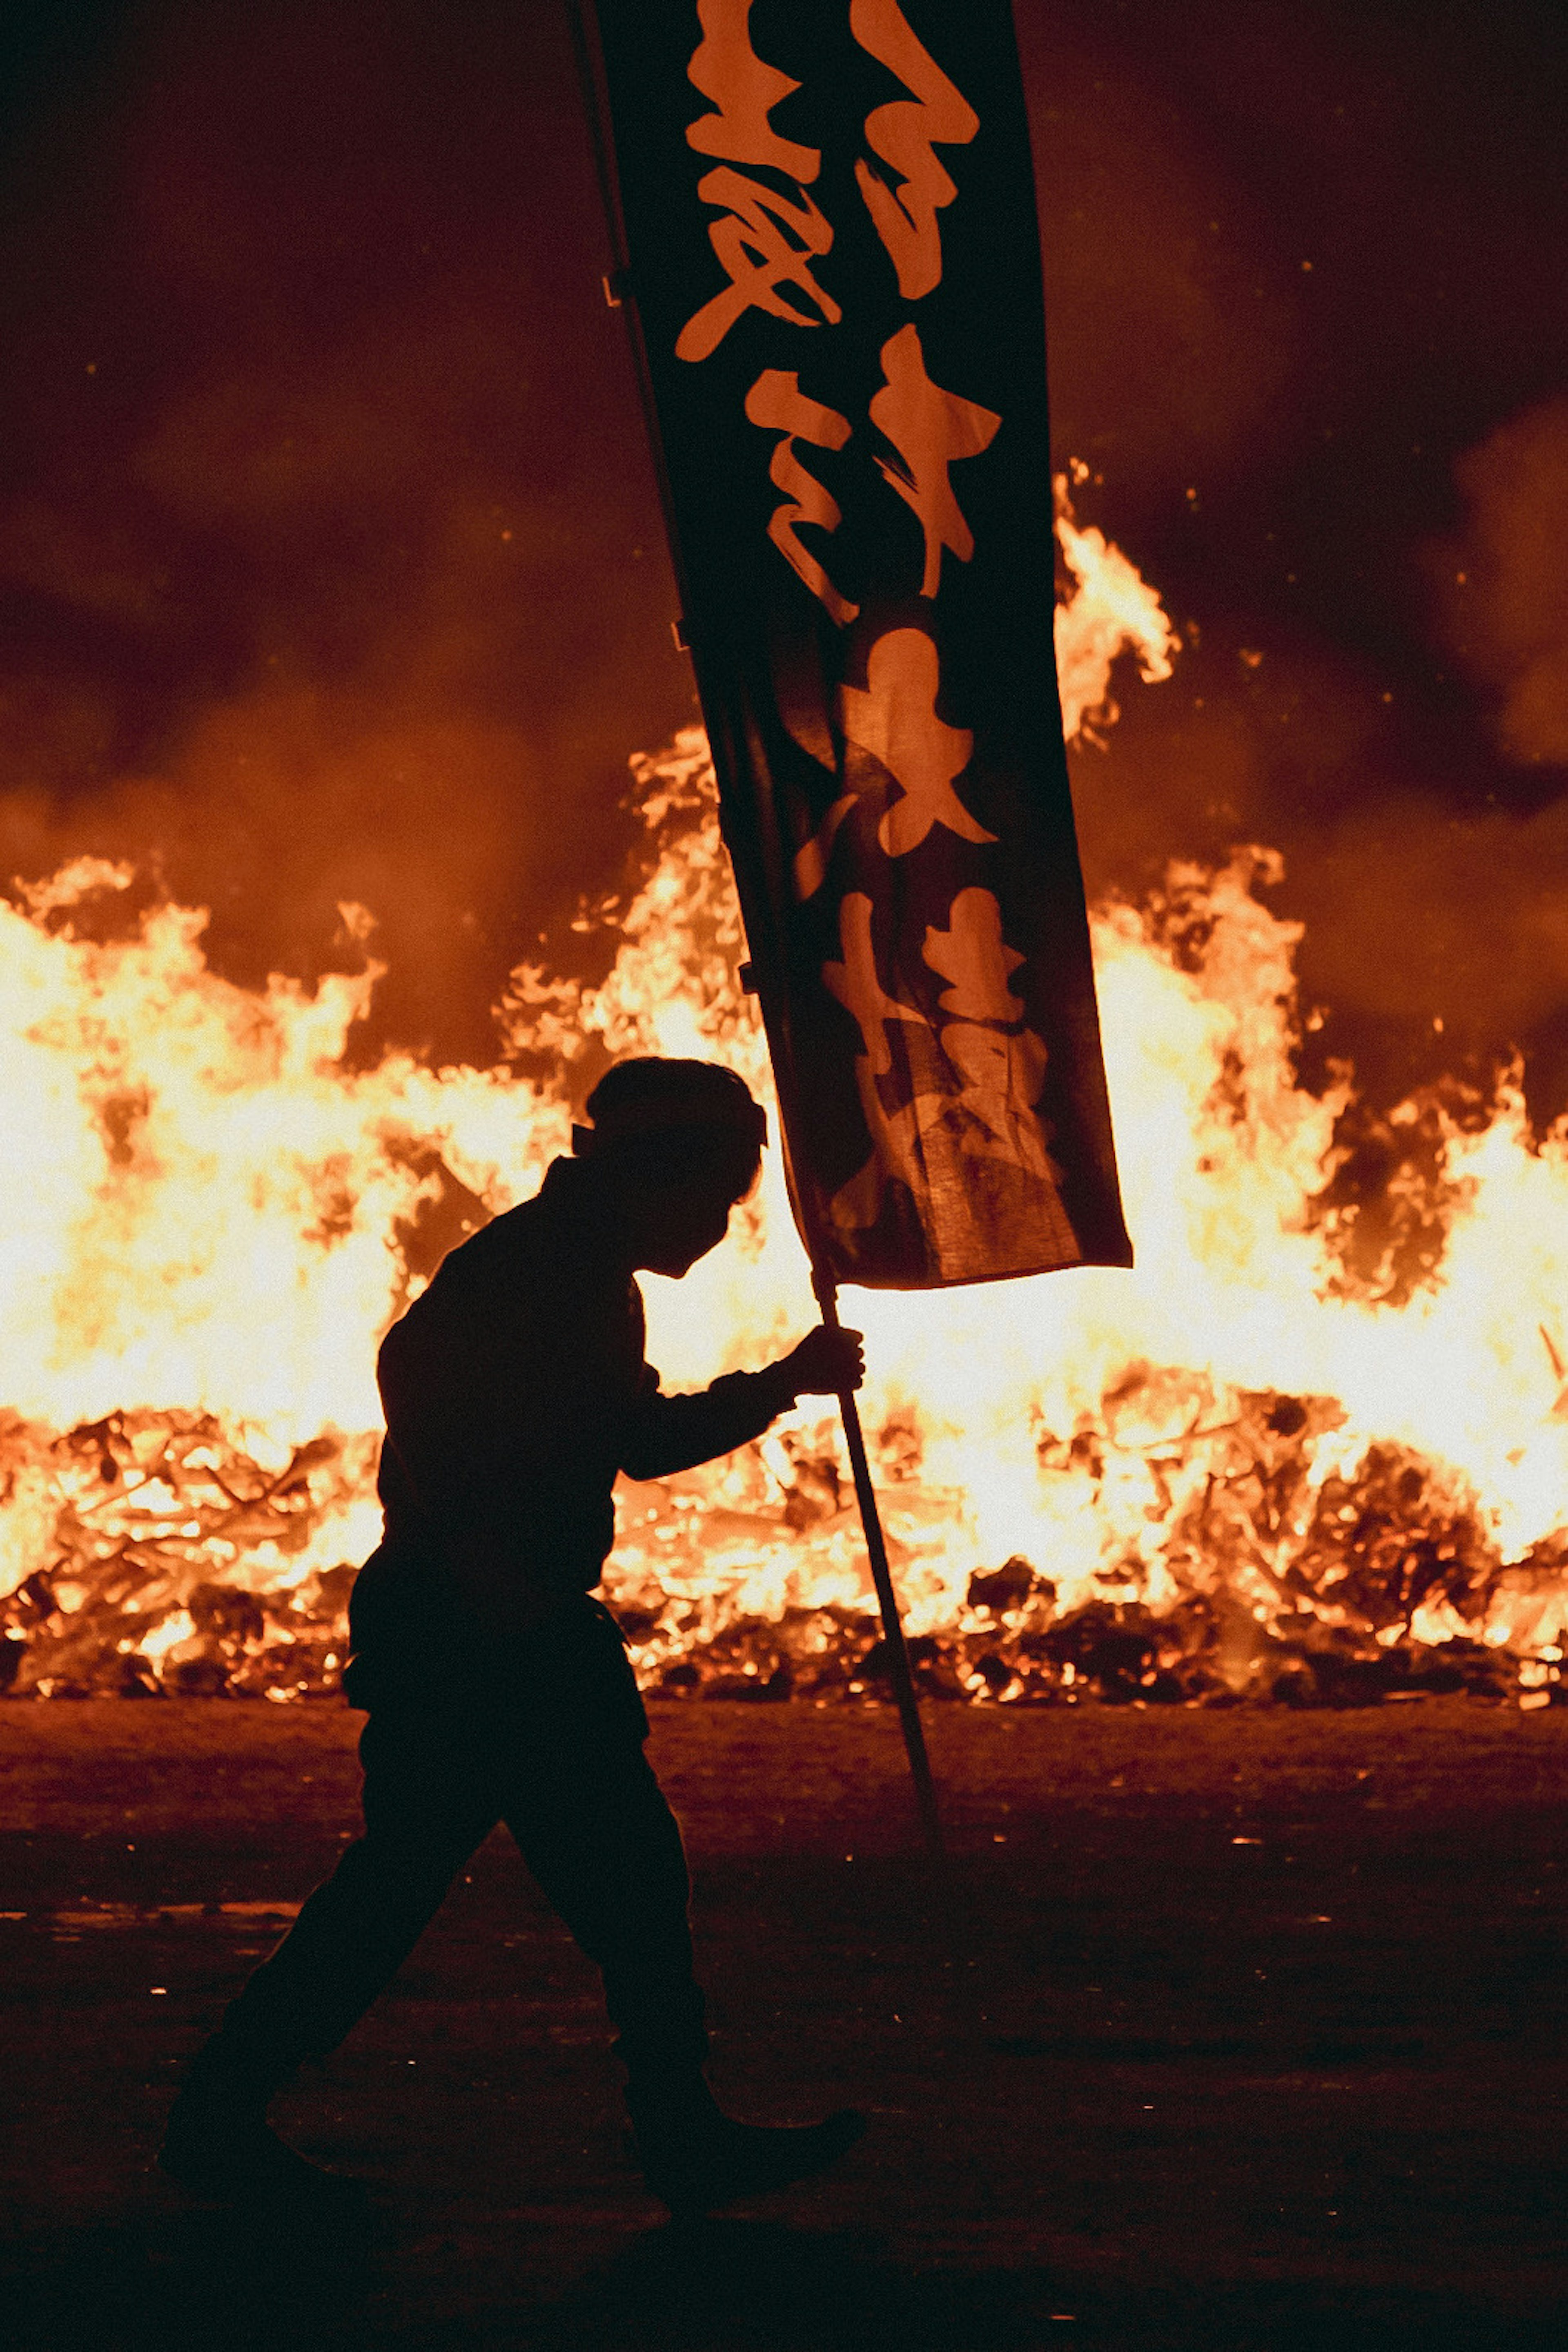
506	1388
515	1389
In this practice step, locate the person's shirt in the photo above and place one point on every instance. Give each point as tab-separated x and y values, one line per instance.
516	1388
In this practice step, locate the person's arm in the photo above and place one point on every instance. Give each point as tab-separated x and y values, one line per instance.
667	1433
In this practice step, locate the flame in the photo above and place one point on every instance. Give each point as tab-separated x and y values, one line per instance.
1243	1466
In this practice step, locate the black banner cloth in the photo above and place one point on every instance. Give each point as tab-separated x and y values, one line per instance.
828	216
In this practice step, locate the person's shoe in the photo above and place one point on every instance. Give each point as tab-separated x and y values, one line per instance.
695	2159
225	2154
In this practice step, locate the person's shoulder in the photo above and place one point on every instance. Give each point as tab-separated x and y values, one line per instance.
513	1237
513	1231
469	1268
479	1285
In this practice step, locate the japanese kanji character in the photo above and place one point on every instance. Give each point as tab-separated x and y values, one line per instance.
905	134
967	1140
932	430
858	988
1001	1077
895	718
777	403
726	69
1001	1073
764	242
973	955
856	984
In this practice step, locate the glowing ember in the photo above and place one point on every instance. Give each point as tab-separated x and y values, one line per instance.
1260	1462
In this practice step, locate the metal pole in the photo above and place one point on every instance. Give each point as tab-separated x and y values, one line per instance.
897	1654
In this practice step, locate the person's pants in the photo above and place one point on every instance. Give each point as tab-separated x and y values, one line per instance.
548	1739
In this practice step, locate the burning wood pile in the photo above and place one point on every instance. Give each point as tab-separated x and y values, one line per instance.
172	1562
1257	1575
1313	1450
173	1570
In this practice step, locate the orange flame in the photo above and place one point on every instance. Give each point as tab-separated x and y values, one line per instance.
1230	1469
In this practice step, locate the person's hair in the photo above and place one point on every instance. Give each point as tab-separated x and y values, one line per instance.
671	1119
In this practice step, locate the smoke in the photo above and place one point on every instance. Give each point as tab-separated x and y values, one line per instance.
330	544
1435	937
1454	919
332	557
1502	582
1175	334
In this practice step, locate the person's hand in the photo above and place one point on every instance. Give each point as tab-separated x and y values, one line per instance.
827	1362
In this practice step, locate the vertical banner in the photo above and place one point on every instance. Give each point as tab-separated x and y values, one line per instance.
831	254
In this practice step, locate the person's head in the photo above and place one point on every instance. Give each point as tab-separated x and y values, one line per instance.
678	1143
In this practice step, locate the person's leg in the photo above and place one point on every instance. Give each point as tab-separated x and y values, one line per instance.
603	1845
427	1806
595	1831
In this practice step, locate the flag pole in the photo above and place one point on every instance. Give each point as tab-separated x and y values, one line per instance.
617	289
894	1644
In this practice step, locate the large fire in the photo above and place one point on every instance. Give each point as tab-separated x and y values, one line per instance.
1276	1459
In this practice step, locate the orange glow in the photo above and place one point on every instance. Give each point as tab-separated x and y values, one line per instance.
1227	1471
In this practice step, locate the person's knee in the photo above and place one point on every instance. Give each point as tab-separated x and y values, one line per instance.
400	1865
615	1807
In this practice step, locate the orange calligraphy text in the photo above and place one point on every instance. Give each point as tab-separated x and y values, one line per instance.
974	958
777	403
895	718
905	135
726	69
764	242
855	984
931	430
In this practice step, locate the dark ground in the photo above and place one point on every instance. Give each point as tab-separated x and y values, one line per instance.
1228	2030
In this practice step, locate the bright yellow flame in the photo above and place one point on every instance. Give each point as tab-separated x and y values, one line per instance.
206	1234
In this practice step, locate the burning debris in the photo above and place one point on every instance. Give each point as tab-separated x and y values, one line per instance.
1314	1449
174	1561
1269	1579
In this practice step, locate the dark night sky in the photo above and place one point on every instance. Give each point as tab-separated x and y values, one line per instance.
331	565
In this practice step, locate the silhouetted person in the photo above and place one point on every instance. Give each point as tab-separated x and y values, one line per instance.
515	1389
